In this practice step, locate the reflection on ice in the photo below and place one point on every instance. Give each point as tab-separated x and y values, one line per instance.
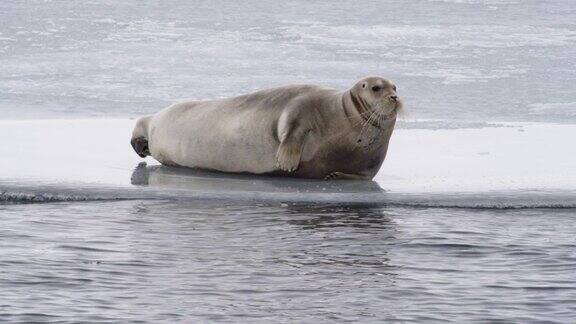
189	184
239	184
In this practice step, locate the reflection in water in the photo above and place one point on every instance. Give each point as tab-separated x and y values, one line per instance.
335	238
340	216
351	237
338	222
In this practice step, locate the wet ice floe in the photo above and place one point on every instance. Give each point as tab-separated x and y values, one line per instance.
508	165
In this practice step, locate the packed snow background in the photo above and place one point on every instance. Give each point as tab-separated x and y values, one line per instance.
488	60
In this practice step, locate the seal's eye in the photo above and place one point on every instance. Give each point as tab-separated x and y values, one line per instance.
376	88
363	85
394	87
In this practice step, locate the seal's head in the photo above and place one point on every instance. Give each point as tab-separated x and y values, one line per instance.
376	95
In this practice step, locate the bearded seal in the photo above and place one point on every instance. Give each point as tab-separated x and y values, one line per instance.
303	131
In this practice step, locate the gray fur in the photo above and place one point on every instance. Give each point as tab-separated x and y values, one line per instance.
299	130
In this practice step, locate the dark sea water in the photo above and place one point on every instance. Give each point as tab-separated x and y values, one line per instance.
161	261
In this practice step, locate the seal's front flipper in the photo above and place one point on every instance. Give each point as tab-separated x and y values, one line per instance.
346	176
288	155
291	135
140	145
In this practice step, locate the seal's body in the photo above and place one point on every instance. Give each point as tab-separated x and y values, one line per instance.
301	131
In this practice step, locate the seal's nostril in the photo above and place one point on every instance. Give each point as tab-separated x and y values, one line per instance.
395	98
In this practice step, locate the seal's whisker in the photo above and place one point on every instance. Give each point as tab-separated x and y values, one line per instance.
368	123
363	120
363	114
375	116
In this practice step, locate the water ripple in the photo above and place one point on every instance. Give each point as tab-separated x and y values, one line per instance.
166	261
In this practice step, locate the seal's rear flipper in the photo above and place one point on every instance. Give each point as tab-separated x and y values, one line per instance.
140	145
140	136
